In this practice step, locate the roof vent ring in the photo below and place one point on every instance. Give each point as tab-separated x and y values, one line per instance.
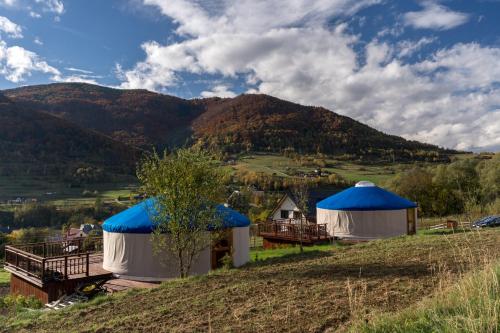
365	183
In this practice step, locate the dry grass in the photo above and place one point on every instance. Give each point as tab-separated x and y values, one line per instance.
314	292
470	306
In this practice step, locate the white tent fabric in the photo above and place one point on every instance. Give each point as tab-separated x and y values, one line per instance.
131	256
364	225
241	246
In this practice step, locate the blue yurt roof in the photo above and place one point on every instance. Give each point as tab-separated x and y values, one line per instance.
137	219
365	196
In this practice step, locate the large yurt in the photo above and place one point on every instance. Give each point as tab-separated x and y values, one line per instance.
365	212
128	249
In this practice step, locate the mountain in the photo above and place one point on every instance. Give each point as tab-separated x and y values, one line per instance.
137	117
266	123
39	143
232	125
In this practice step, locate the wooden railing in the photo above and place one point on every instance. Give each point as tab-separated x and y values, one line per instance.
309	220
64	247
52	260
292	231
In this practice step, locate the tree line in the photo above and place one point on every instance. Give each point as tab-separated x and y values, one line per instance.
468	186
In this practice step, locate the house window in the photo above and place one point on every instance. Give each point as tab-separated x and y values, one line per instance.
296	215
284	214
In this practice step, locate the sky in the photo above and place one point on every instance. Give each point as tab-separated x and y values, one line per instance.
427	70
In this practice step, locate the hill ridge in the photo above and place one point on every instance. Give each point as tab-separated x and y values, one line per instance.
248	122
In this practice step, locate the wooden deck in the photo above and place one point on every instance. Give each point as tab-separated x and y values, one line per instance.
48	269
286	232
116	285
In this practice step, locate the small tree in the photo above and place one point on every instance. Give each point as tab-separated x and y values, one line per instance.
300	191
186	185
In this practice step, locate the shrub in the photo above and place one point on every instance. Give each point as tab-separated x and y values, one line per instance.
19	302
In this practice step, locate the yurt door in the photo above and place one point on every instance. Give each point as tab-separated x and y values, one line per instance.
222	248
411	221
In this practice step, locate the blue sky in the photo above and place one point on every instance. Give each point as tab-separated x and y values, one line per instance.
427	70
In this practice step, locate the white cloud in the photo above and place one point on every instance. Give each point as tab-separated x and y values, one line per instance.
435	16
407	48
75	78
443	99
52	6
8	3
10	28
35	6
35	14
79	70
38	41
16	63
220	90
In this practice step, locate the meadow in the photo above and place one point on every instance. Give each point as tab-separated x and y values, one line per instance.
52	190
327	288
285	167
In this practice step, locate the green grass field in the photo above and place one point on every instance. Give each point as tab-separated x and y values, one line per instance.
55	191
51	190
284	166
4	277
261	254
326	289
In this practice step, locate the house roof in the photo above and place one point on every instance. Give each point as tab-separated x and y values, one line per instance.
138	218
365	196
314	196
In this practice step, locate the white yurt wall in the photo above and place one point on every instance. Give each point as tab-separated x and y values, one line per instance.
131	256
365	211
241	248
128	249
363	224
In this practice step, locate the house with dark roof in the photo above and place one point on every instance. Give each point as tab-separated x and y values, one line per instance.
287	208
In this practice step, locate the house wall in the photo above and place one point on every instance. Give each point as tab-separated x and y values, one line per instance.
286	204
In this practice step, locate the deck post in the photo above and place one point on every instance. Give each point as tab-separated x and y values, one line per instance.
42	273
87	265
66	267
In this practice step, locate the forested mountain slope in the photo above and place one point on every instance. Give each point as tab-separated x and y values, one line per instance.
245	123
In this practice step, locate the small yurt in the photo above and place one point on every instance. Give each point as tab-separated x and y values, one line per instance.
365	212
128	249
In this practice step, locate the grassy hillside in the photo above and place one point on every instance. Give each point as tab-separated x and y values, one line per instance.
324	290
471	305
287	167
52	189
